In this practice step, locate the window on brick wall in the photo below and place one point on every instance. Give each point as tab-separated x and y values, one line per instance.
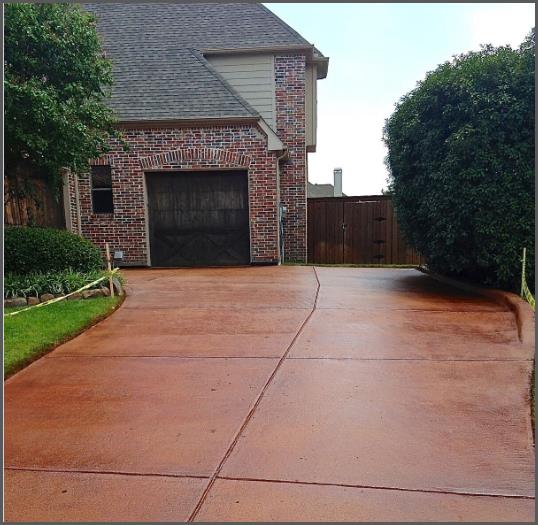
102	201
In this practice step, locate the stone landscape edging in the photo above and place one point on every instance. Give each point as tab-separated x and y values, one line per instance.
86	292
522	311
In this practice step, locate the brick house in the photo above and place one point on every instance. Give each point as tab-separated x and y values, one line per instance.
217	103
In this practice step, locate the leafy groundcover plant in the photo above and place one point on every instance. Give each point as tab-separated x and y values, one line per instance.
57	283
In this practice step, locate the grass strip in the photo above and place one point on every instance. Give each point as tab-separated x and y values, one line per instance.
34	333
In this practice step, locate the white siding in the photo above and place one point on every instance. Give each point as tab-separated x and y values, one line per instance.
253	77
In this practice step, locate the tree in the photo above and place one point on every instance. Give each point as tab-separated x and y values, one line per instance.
56	80
461	164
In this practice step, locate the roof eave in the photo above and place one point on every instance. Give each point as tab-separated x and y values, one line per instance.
185	122
257	49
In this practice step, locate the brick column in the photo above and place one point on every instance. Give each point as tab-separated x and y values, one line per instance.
290	112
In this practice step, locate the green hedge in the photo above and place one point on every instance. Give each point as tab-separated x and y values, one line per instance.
461	161
41	250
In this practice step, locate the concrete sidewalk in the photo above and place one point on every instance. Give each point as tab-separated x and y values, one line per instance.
274	394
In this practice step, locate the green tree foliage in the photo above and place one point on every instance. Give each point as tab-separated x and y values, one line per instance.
461	164
56	79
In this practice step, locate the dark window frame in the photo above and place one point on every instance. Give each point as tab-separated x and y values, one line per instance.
104	205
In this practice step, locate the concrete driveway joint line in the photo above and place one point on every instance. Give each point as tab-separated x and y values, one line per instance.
107	472
213	478
375	487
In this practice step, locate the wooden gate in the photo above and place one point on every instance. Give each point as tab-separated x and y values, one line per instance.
356	230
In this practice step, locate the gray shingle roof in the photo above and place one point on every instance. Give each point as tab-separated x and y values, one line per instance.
321	190
159	73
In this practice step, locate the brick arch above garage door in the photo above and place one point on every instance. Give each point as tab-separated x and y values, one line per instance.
228	147
221	157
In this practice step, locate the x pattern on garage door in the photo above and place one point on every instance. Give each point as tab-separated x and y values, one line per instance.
198	218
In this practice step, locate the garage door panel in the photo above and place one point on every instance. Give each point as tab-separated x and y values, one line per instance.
198	218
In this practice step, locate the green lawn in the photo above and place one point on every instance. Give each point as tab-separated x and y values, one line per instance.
29	335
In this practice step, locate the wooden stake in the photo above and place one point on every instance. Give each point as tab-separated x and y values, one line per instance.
109	267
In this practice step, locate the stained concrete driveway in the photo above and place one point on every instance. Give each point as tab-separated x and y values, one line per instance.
278	393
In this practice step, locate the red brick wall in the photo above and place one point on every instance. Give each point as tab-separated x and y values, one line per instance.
232	146
290	107
239	146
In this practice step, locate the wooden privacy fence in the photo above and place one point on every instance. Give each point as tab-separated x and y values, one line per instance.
356	230
32	202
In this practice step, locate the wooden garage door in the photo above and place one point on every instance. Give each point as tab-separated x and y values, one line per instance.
198	218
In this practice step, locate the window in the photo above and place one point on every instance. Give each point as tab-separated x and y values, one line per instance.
102	201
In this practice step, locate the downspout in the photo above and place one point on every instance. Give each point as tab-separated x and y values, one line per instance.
274	144
282	210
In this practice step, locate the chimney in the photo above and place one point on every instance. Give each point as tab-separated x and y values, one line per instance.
337	182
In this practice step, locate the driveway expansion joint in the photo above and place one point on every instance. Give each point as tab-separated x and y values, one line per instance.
428	310
377	487
250	414
107	472
433	359
184	357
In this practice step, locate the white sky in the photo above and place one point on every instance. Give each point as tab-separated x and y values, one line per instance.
377	54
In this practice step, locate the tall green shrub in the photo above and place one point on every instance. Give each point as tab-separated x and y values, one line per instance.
29	250
461	163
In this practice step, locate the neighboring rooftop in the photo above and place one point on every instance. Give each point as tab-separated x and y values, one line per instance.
321	190
159	71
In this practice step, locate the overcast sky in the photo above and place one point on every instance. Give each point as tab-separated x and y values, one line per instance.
377	54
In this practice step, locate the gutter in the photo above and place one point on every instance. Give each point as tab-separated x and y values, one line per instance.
322	64
186	122
259	49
